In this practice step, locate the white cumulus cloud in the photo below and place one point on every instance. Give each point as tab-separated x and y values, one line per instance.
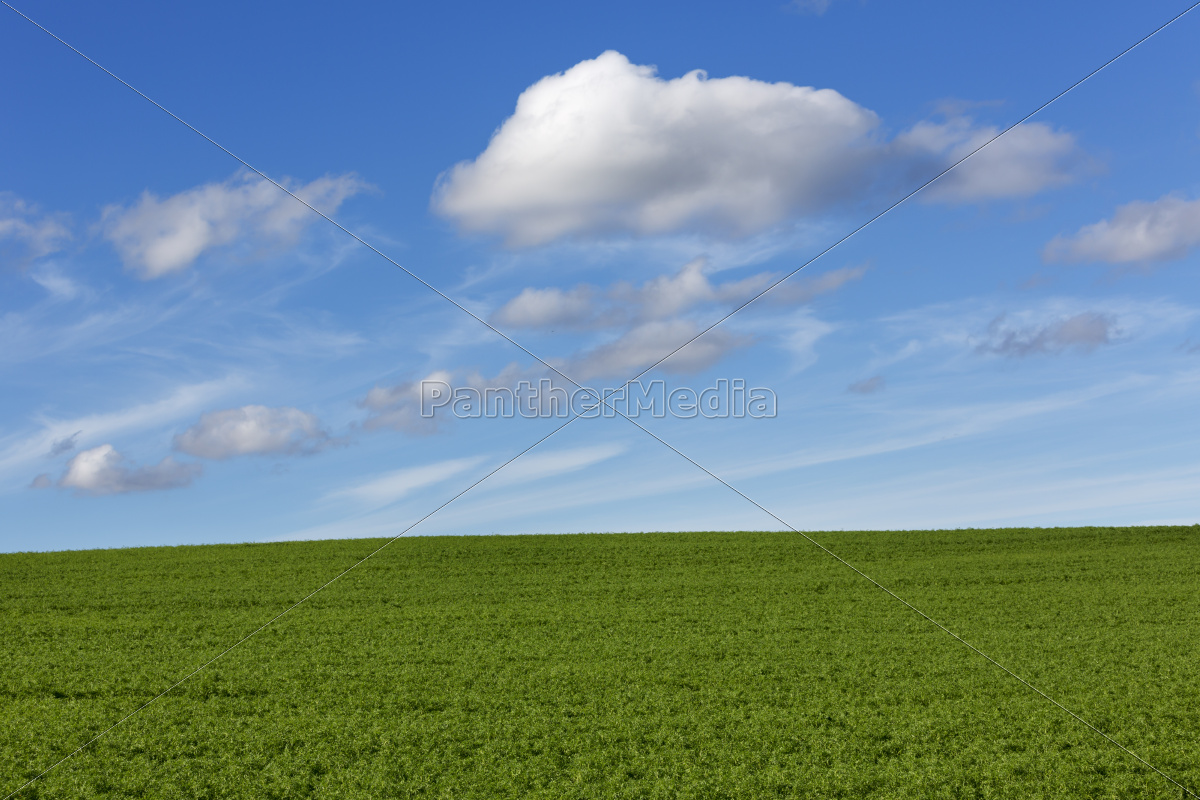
610	147
157	237
1028	159
102	470
1138	232
549	308
253	430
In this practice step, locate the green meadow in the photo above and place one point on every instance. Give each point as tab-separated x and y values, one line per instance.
663	665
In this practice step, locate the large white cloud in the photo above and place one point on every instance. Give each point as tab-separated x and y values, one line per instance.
1138	232
253	430
608	146
102	470
156	237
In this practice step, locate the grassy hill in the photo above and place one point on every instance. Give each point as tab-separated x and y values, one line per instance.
692	665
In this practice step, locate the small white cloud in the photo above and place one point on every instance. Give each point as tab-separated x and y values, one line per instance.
669	295
548	308
253	430
102	470
1139	232
24	228
1085	332
157	237
399	407
803	289
41	482
1028	159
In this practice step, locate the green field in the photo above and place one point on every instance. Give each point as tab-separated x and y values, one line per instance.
698	665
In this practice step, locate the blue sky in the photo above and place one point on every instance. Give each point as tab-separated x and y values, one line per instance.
190	355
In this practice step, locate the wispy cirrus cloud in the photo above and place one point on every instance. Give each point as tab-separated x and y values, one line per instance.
26	232
664	297
1055	325
385	489
160	236
522	484
63	445
645	344
554	463
1084	332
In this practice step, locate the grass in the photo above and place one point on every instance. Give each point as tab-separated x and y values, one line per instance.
688	665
